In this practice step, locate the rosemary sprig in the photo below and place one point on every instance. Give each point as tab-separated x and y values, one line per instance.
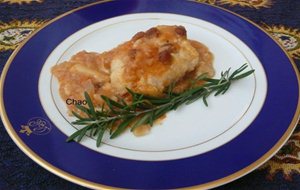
116	116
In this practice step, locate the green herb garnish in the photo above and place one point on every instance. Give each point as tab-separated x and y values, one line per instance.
118	115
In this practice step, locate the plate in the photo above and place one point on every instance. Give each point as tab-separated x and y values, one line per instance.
195	146
172	144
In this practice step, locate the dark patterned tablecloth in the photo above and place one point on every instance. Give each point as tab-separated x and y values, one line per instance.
281	18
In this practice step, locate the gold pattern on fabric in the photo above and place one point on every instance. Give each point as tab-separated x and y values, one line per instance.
288	37
287	160
14	32
206	1
257	4
20	1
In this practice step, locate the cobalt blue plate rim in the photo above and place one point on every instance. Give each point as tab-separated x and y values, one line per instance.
91	169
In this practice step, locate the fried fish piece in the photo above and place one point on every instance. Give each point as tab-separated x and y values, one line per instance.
153	60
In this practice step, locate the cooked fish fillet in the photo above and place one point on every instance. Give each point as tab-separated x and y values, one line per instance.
152	60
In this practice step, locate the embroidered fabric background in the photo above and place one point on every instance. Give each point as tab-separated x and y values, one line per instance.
19	18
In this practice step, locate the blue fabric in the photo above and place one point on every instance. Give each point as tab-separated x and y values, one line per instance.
17	171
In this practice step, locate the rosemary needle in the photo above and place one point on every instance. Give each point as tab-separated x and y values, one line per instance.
118	115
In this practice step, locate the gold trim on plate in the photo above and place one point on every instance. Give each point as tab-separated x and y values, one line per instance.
93	185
